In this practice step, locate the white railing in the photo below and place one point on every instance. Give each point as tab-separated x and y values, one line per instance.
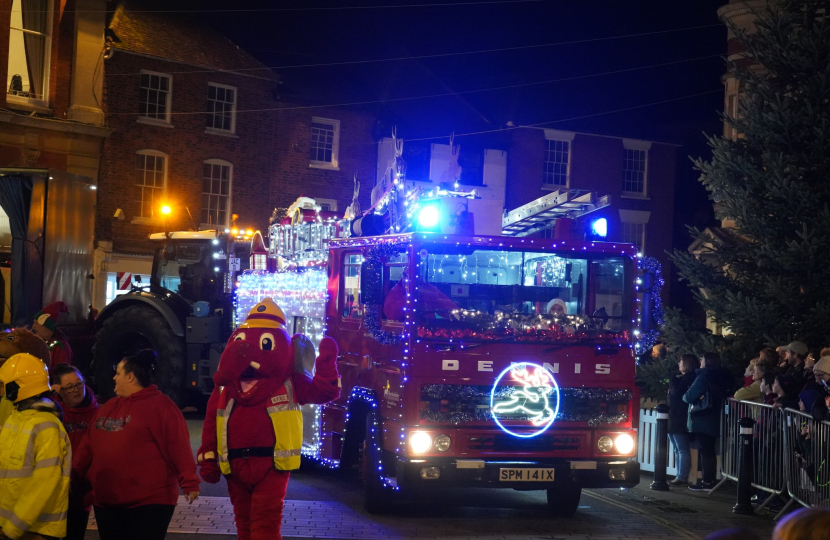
647	444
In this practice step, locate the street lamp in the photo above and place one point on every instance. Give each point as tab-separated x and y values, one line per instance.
165	209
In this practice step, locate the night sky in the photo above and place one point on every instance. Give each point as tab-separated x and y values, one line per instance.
292	33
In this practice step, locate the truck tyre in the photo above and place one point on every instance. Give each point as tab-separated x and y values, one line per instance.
563	500
128	331
378	498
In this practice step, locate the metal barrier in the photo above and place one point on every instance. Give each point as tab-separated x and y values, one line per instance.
806	460
769	447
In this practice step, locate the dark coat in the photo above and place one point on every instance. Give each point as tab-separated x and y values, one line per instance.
679	409
720	383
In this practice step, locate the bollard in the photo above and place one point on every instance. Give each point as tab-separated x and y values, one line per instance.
745	468
662	449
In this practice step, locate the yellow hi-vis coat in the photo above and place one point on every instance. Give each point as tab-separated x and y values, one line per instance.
35	464
286	419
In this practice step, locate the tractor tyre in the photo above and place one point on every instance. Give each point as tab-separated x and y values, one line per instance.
130	330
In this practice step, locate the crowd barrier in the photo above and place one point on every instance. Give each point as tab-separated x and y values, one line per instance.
807	460
791	453
769	476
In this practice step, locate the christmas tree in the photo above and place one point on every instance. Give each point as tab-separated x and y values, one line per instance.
765	276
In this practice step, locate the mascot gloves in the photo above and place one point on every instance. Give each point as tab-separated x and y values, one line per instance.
209	471
326	365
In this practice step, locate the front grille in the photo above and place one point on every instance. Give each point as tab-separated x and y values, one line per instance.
508	443
461	404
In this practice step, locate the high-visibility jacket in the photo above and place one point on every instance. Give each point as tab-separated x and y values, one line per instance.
286	419
35	464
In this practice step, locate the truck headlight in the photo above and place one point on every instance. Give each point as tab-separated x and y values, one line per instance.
442	443
604	444
420	442
624	443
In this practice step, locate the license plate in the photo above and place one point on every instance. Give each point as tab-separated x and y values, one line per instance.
526	475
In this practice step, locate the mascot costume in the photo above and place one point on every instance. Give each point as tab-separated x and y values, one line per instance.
253	431
15	342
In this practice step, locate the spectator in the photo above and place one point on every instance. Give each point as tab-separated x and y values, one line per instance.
796	353
782	357
749	372
753	391
45	325
33	491
821	371
136	456
767	383
786	389
79	407
705	397
804	524
679	415
769	356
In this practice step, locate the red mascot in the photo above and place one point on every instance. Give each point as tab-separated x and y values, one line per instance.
253	430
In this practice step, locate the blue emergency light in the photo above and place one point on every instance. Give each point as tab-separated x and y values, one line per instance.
429	215
599	227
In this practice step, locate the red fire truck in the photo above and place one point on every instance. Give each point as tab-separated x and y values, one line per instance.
466	361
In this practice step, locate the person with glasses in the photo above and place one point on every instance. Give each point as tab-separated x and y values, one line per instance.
79	407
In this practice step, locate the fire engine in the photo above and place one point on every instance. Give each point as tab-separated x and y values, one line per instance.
481	361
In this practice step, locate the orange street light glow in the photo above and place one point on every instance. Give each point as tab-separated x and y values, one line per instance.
165	210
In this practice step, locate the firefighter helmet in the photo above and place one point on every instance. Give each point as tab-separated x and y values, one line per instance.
266	314
24	376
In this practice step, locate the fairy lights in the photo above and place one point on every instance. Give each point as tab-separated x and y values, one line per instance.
646	340
531	398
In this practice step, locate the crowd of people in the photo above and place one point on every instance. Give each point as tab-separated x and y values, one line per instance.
61	454
787	377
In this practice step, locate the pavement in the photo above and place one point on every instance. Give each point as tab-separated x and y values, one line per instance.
477	514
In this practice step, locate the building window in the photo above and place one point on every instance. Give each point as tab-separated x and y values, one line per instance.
326	205
634	233
151	181
29	47
634	171
325	143
216	192
557	161
155	90
221	115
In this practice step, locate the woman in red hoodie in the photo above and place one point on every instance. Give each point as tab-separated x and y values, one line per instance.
79	407
136	456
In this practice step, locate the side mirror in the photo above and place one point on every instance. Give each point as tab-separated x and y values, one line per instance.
371	282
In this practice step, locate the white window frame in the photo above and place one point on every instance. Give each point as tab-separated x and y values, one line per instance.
334	164
149	152
635	217
42	104
560	136
223	163
168	105
331	202
219	131
642	146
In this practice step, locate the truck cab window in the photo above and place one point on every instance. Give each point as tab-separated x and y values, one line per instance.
395	277
350	286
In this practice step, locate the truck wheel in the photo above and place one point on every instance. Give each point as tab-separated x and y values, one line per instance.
563	500
378	498
128	331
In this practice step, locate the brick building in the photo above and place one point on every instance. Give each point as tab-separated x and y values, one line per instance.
201	126
518	166
638	175
50	114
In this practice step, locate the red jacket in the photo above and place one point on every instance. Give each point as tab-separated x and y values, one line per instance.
76	421
137	452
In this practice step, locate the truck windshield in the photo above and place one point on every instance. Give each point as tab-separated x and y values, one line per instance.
523	295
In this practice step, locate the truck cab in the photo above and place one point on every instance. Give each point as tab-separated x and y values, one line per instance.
484	362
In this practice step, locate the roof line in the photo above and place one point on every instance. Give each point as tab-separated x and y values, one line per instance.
599	135
213	70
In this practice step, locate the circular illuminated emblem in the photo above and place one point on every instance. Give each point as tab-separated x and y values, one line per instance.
525	392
